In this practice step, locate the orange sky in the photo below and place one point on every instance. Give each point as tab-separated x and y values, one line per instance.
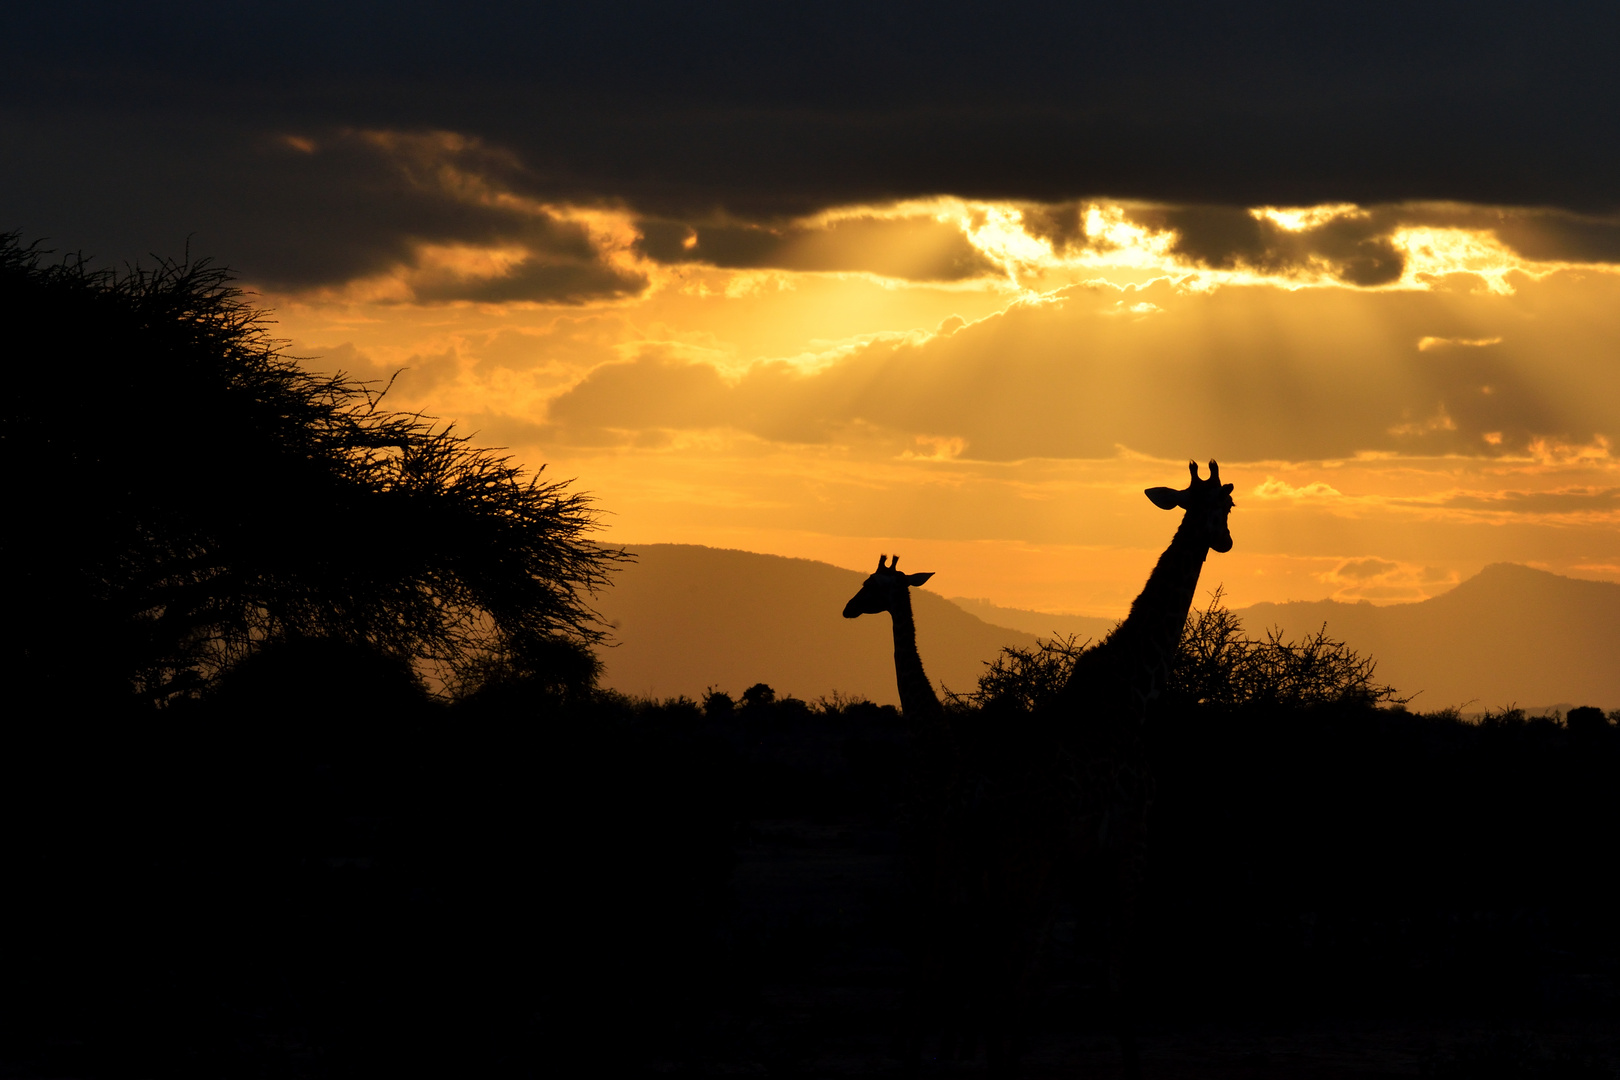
1401	394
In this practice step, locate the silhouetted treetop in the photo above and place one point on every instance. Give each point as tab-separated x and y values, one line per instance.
1025	679
182	489
1217	664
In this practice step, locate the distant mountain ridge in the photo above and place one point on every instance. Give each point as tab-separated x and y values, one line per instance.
1040	623
1509	635
690	617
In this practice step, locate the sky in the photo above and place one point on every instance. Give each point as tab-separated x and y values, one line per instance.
956	281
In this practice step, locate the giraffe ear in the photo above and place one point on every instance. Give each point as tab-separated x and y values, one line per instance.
1164	498
918	579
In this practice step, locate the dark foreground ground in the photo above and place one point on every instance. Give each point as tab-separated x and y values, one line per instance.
326	875
834	1013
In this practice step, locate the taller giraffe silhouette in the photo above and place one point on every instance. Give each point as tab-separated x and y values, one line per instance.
1101	718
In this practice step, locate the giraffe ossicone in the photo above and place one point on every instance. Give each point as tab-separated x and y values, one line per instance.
887	590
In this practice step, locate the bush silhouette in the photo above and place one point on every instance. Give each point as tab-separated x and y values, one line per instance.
1586	719
1218	665
197	492
1023	680
547	668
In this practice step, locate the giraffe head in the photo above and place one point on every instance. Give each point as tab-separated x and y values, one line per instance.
884	590
1207	503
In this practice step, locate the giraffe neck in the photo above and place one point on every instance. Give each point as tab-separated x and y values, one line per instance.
917	699
1151	635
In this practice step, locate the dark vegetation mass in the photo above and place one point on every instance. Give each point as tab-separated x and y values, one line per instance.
182	491
244	833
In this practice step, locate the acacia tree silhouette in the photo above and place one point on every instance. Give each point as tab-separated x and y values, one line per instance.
181	491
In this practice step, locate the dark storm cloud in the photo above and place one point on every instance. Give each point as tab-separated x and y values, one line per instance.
1356	245
540	278
1356	248
295	209
915	248
1060	224
1541	234
134	115
1552	235
303	212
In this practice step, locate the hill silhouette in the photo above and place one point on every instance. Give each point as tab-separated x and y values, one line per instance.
688	617
1509	635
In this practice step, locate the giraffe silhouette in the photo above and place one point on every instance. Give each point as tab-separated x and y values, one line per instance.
887	589
977	857
932	780
1100	720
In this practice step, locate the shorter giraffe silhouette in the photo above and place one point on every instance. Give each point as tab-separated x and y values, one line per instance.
927	858
889	590
975	861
